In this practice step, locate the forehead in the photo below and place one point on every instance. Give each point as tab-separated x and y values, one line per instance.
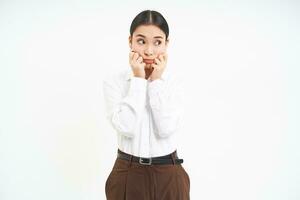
149	31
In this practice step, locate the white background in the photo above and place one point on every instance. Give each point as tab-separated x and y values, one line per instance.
240	62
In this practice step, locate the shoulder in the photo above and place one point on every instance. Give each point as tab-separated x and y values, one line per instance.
115	77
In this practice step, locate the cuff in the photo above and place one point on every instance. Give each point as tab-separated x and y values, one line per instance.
155	86
156	93
137	85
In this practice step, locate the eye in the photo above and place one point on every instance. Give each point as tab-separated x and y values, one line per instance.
139	41
158	42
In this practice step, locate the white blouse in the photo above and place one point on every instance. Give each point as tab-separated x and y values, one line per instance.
147	115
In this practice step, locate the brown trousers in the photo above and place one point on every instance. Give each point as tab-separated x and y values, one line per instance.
133	181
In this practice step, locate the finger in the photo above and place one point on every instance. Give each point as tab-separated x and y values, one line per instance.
154	66
157	61
140	59
135	56
161	58
131	54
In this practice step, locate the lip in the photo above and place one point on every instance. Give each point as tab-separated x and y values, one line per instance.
149	61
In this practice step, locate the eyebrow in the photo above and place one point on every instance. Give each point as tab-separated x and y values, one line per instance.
145	36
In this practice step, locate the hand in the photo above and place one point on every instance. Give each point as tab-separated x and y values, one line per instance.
159	66
137	64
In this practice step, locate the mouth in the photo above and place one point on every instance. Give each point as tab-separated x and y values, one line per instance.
149	61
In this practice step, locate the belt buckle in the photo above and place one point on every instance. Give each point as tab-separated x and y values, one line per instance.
141	161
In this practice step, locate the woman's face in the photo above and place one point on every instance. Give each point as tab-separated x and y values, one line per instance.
149	41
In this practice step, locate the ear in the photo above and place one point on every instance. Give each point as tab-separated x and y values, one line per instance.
130	42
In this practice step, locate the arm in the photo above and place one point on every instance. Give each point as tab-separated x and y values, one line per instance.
124	112
166	102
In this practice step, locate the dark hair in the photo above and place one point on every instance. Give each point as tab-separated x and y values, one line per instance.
150	17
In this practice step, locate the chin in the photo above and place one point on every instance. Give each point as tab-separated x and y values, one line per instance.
148	66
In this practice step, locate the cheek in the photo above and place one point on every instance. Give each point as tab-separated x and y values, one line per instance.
161	50
137	48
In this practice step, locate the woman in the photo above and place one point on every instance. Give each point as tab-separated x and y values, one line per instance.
144	106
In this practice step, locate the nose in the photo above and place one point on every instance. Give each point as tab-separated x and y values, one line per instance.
149	51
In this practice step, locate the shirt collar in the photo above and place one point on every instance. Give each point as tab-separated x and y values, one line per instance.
129	74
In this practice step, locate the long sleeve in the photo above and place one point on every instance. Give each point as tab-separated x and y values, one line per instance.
166	102
124	112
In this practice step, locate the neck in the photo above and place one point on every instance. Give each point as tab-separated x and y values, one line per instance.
148	72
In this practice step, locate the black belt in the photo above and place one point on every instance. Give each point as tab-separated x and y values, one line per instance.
167	159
